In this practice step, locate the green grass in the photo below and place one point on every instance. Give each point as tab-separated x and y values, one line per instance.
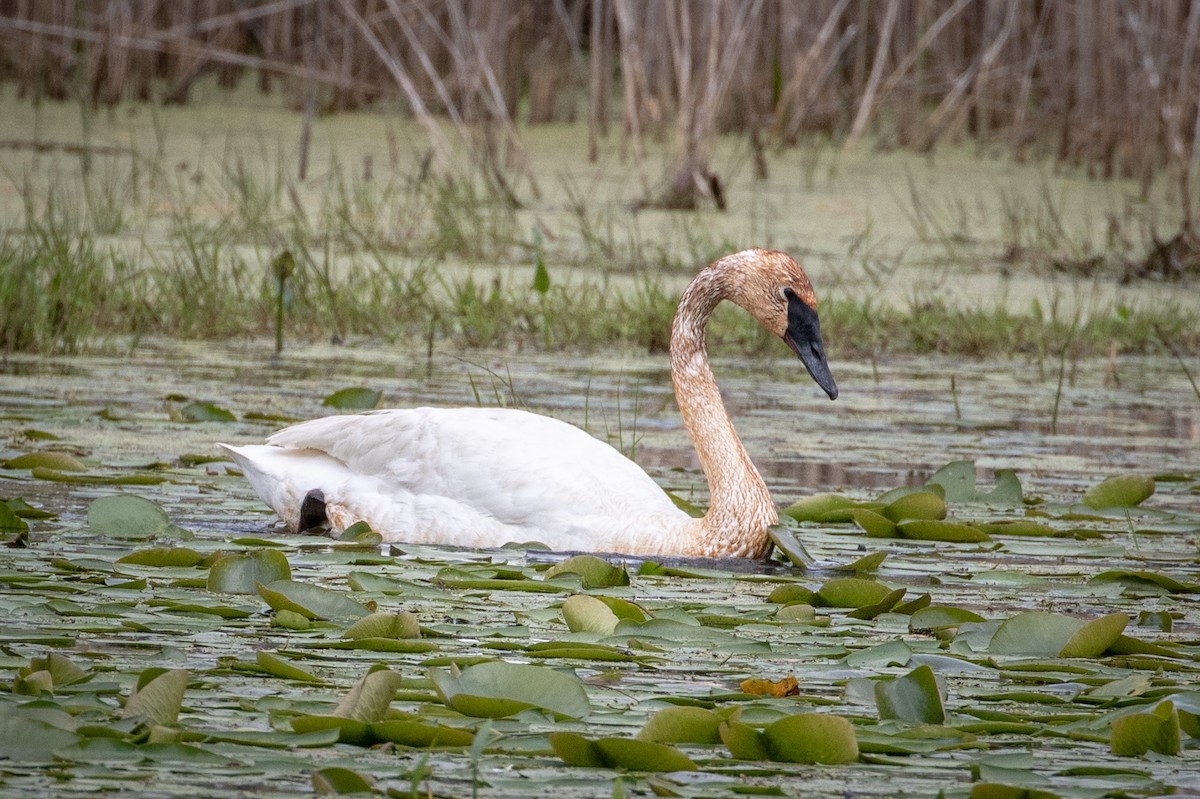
120	253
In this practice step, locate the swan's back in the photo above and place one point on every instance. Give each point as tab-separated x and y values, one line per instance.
468	477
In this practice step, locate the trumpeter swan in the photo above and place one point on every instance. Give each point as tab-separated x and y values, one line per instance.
483	477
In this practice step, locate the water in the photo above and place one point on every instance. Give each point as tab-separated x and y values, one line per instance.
894	423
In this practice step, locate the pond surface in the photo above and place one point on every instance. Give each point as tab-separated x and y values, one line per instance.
1035	720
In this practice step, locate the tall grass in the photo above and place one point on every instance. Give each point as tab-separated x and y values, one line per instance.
391	258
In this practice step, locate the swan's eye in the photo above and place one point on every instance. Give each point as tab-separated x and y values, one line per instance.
787	293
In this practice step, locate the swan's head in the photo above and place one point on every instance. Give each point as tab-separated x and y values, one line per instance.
777	292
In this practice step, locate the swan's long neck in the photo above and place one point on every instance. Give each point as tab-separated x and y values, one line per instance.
740	507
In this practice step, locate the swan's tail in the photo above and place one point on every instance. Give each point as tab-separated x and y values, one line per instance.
278	476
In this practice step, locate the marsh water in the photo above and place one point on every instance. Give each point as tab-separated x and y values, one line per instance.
80	595
894	423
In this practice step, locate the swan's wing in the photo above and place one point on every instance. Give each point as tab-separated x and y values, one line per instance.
519	468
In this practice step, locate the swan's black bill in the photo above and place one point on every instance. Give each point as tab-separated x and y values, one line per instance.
803	335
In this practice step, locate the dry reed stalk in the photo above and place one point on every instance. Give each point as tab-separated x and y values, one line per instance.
1110	86
881	54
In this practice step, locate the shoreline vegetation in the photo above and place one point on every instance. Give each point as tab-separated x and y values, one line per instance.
289	170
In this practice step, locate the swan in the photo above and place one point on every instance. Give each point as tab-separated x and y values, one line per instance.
484	477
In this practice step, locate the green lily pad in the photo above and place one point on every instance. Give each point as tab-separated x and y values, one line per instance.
624	609
940	530
1095	637
1140	579
682	725
996	790
158	696
595	572
813	508
57	461
127	516
278	667
912	697
1157	731
178	557
10	522
575	750
354	399
205	412
1042	634
58	668
584	613
369	699
1120	491
940	617
852	592
812	738
889	601
917	505
623	753
382	624
634	755
311	601
338	780
419	734
743	741
242	573
791	593
26	739
349	731
957	480
873	524
498	689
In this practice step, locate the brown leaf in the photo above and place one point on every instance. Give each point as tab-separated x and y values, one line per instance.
785	687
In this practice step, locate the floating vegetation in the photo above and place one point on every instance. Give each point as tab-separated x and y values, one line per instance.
1048	646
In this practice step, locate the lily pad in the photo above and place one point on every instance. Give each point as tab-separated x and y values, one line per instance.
938	617
815	507
205	412
242	573
595	572
1157	731
338	780
26	739
369	699
941	530
812	738
278	667
852	592
625	753
58	461
873	524
127	516
957	480
407	732
311	601
158	696
1120	491
354	399
177	557
1042	634
584	613
382	624
682	725
743	741
917	505
912	697
498	689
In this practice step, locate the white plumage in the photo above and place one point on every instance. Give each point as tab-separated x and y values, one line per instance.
471	477
484	477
